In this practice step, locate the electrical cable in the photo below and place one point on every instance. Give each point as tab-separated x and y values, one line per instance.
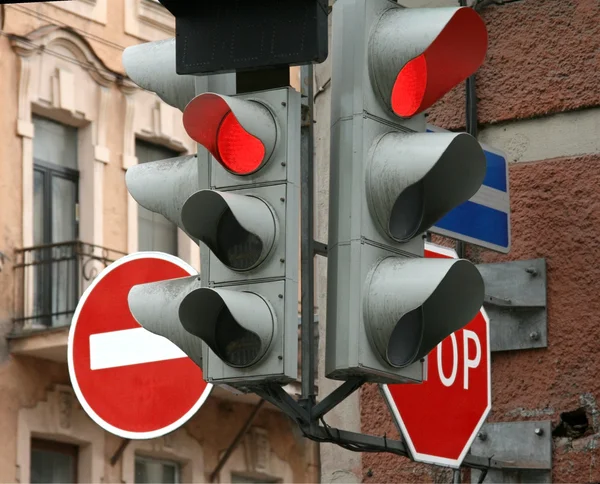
47	18
61	56
480	4
355	447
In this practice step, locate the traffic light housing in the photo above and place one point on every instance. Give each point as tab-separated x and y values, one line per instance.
238	198
390	181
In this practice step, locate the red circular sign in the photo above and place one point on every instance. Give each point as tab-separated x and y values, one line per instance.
131	382
440	417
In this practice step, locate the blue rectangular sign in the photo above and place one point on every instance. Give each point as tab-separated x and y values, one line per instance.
483	220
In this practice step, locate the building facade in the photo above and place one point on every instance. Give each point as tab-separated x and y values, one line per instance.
72	124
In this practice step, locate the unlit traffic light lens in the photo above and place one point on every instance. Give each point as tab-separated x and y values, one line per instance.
236	247
407	213
235	345
240	152
405	340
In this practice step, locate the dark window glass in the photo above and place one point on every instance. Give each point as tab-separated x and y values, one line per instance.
55	198
53	462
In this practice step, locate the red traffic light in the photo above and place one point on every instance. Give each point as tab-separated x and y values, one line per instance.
240	134
239	151
433	49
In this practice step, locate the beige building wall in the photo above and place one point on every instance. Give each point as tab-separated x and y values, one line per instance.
62	60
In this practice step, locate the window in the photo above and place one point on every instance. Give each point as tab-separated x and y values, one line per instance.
55	228
149	470
155	232
53	462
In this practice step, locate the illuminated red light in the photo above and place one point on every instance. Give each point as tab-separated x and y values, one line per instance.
410	86
239	151
455	54
239	134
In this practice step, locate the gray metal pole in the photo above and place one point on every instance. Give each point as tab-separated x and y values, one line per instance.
456	476
307	239
471	125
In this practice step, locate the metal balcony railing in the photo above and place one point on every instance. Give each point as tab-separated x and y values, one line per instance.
51	278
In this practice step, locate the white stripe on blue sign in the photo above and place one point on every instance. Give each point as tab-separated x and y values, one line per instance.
484	220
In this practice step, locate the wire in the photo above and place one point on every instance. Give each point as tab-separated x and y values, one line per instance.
52	20
322	89
355	447
480	4
62	56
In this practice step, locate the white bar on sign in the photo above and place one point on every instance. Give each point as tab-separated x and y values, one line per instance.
130	347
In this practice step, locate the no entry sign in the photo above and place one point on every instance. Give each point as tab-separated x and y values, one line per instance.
440	417
131	382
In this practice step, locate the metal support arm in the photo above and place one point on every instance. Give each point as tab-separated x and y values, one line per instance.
369	443
336	397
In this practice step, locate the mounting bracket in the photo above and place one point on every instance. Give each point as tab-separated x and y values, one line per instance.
515	302
525	448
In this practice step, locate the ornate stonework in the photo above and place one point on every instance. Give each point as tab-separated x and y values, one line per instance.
60	418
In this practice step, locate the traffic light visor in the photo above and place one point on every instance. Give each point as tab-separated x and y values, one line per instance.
237	326
240	134
414	179
418	55
411	305
239	229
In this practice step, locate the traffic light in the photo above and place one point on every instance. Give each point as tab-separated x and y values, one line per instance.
390	181
248	224
238	198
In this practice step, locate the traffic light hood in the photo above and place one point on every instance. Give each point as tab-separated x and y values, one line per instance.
164	186
240	134
238	326
411	305
155	306
152	67
414	179
416	55
239	229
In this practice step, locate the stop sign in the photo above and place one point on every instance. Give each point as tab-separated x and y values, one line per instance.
440	417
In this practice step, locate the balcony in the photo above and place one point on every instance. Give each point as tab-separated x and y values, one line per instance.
49	280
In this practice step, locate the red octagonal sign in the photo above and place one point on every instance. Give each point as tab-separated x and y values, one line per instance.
440	417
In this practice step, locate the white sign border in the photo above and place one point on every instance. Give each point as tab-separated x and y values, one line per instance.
88	409
432	459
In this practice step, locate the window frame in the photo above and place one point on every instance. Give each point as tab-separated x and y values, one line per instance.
159	460
171	153
45	271
249	477
71	450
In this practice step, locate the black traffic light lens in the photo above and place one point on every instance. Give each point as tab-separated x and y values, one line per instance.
405	341
407	213
235	345
236	247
